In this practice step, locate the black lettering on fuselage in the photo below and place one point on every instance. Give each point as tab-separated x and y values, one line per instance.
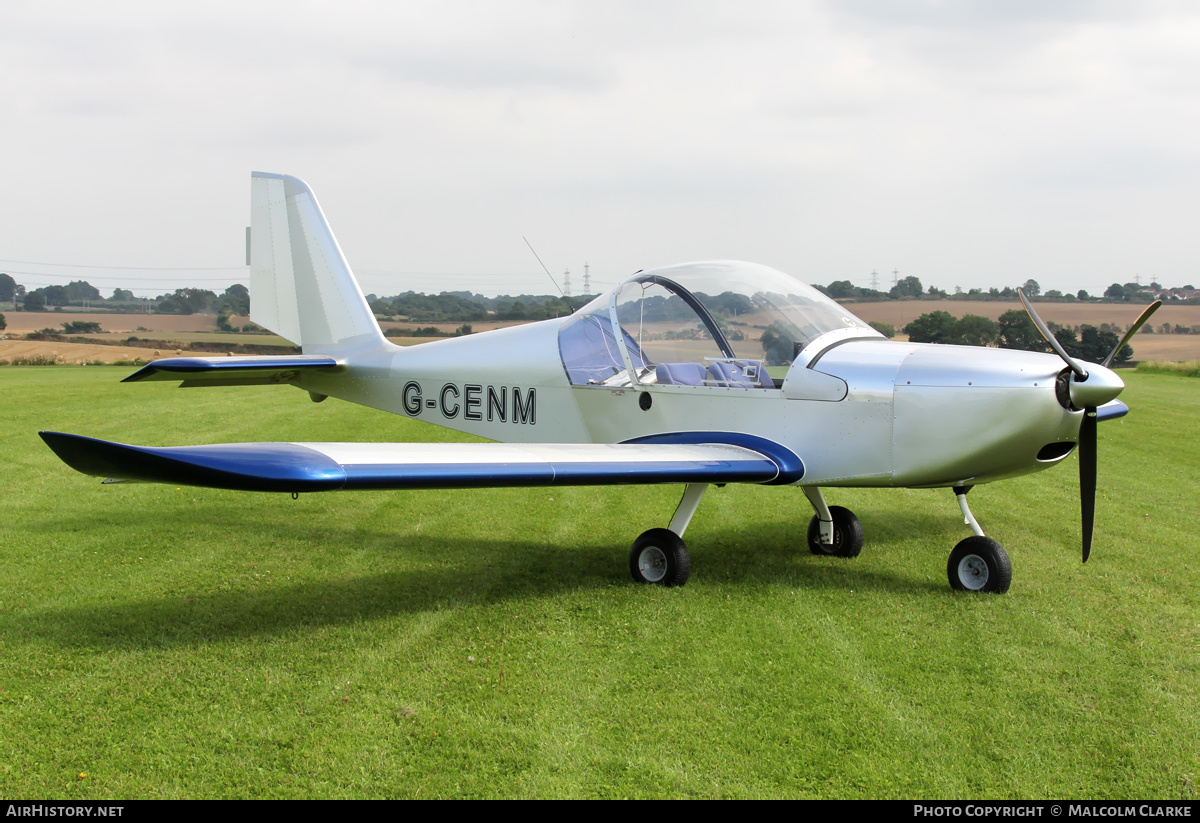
449	412
471	407
524	412
411	397
497	403
474	401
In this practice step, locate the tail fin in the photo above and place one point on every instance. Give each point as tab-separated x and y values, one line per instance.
301	286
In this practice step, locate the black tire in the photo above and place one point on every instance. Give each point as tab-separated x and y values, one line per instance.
847	534
979	564
660	556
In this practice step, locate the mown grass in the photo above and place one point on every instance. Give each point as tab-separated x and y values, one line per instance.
178	642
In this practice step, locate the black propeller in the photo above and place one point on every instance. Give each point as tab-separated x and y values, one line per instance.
1088	397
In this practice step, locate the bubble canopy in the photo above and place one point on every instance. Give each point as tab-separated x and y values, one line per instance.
743	314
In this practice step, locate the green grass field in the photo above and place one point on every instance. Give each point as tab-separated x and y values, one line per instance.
163	642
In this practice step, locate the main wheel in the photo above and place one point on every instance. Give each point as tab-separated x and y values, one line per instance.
979	564
847	534
660	556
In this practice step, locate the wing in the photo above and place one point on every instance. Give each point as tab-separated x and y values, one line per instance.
232	371
308	467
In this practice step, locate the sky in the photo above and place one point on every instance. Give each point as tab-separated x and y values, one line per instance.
970	144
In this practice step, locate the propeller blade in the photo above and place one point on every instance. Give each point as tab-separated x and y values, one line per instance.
1151	309
1050	338
1087	477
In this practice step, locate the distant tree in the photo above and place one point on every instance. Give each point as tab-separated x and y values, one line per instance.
1066	338
35	301
81	327
1115	292
933	327
122	296
841	289
82	290
8	287
191	301
1017	331
973	330
1095	344
1083	295
777	345
1053	294
934	293
55	295
1031	288
3	325
907	287
235	300
886	329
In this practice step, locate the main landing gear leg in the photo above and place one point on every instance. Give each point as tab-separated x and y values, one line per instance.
834	530
660	555
979	563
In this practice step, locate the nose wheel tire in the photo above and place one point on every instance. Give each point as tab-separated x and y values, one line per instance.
847	534
979	564
659	556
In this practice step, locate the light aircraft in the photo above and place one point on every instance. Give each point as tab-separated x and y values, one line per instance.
695	374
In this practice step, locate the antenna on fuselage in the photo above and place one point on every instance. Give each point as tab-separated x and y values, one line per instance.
548	274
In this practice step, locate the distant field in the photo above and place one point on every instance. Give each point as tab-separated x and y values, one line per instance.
174	642
902	312
204	337
72	352
25	321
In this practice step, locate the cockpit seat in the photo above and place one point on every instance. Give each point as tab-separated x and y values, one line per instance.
732	375
680	374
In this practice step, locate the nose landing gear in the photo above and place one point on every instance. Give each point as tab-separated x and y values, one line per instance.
979	563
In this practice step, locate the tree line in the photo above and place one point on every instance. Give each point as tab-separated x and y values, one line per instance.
910	288
1014	330
235	300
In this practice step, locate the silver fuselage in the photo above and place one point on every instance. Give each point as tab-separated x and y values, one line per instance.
860	412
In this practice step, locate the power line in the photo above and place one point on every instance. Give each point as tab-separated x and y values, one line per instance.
11	272
123	268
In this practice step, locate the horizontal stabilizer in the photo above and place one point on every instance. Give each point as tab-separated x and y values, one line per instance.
297	467
232	371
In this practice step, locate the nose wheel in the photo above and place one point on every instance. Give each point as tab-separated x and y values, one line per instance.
979	564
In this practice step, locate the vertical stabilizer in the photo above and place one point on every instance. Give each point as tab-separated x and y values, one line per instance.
301	287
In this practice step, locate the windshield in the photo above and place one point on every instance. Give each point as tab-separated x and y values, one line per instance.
701	313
